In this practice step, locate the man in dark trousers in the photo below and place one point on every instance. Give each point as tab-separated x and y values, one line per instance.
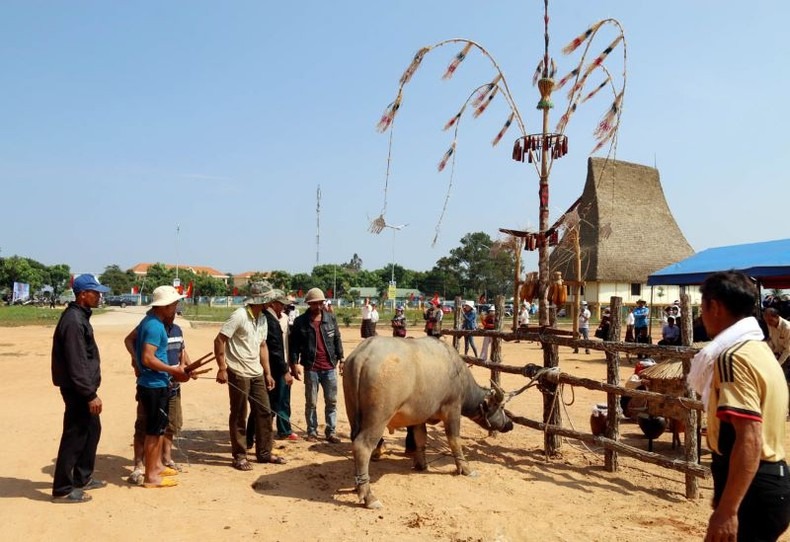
746	410
76	370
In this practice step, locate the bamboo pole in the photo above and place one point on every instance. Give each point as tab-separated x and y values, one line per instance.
694	469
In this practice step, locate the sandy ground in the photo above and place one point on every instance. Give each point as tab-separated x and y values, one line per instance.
519	494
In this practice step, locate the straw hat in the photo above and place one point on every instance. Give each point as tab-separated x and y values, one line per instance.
314	294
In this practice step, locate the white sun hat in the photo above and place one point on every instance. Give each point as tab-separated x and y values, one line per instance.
165	295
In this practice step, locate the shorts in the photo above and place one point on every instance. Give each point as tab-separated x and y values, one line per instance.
154	402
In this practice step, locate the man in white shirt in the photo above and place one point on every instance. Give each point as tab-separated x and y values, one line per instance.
374	317
584	326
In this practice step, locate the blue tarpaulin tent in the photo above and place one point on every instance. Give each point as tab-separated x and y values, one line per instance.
768	262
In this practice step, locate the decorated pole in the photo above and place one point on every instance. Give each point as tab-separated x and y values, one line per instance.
539	149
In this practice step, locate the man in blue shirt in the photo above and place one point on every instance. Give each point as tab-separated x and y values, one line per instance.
641	313
154	380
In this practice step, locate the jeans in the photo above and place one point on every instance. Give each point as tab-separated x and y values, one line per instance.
328	381
469	341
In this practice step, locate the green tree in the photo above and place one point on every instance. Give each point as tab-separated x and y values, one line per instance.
59	276
19	269
281	280
301	282
206	285
117	280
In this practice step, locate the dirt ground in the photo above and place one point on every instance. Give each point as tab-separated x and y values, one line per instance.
518	495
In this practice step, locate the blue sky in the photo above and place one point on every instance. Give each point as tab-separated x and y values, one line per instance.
122	120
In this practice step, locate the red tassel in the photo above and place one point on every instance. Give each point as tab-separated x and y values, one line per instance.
516	148
565	146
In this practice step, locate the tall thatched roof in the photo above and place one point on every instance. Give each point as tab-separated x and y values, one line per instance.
626	231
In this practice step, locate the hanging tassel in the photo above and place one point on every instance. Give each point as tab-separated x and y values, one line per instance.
415	63
606	124
452	121
581	38
480	110
553	70
600	58
456	61
504	129
564	146
567	78
446	156
486	90
389	115
517	150
594	92
538	73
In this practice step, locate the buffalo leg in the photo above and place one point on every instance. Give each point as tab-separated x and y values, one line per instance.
420	440
363	446
452	428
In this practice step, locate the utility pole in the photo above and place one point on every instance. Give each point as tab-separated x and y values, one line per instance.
317	223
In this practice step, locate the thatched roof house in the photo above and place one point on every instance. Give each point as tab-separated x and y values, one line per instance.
627	231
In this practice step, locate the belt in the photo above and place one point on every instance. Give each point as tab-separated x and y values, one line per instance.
773	469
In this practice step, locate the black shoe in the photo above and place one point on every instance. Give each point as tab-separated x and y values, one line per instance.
76	495
333	439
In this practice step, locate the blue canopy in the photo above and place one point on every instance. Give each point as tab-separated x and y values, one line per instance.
768	262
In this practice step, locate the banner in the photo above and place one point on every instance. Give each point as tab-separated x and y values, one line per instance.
21	292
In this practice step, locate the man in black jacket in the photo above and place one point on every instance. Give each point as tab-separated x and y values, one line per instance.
315	344
76	371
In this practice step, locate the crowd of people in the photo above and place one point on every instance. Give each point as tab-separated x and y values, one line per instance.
741	374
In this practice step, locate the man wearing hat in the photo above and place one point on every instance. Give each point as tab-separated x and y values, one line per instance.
153	382
315	345
243	360
76	370
276	341
469	323
584	326
641	313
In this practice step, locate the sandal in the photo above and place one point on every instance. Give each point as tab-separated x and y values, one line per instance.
167	471
241	463
76	495
173	465
274	459
166	482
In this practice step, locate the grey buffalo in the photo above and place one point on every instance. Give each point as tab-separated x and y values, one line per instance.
393	382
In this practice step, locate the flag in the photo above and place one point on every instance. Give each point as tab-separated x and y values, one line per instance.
235	291
190	289
329	292
135	289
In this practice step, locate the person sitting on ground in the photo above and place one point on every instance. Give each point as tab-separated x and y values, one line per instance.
670	333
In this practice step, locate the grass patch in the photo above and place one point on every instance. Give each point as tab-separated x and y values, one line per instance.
23	315
204	313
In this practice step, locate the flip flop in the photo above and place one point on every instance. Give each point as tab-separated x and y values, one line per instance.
274	459
166	482
94	484
173	465
76	495
167	471
242	464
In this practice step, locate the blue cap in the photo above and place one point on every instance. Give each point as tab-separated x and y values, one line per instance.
88	282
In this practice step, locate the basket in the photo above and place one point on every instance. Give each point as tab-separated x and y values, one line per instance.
666	378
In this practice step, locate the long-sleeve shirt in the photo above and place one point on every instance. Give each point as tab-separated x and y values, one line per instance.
640	316
76	365
779	340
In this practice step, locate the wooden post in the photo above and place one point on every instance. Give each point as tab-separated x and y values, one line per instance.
457	322
613	378
496	342
551	408
518	247
692	418
577	289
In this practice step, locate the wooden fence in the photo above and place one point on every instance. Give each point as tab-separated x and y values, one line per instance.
549	378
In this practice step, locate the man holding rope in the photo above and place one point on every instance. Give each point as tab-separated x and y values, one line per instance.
243	360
